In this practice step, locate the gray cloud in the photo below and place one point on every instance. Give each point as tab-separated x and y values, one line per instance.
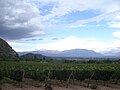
9	33
55	39
19	19
38	39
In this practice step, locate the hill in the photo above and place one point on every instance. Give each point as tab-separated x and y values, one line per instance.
33	57
6	51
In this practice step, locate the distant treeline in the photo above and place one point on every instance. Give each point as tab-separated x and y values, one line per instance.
105	61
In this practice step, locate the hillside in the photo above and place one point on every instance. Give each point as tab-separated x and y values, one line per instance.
33	57
6	51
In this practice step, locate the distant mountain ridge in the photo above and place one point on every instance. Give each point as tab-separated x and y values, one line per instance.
112	52
67	53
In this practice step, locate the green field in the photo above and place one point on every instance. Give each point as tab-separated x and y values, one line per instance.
61	71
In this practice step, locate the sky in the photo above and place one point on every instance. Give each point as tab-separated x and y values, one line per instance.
29	25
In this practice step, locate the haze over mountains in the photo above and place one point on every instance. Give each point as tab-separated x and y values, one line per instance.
74	53
7	51
113	52
67	53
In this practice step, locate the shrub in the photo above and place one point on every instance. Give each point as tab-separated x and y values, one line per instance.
1	75
93	86
7	80
48	86
17	75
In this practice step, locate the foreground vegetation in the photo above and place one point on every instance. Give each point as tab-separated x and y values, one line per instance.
43	71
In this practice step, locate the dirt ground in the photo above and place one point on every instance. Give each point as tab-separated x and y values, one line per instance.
27	87
35	85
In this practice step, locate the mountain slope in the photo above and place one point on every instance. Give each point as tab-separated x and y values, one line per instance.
6	51
33	57
80	53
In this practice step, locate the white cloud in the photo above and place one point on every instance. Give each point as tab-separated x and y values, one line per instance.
115	45
116	21
19	46
115	25
109	11
24	16
37	33
116	34
97	19
73	42
64	7
19	17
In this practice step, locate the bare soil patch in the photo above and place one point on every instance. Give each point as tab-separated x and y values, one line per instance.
30	84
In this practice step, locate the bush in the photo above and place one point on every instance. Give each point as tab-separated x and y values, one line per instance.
17	75
7	80
93	86
48	86
1	77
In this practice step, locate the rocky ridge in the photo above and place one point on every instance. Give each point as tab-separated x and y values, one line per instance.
6	51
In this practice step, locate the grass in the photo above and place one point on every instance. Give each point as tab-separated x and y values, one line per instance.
7	80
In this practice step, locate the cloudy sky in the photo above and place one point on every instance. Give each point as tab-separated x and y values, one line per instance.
29	25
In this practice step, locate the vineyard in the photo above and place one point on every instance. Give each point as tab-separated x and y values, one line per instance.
60	71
